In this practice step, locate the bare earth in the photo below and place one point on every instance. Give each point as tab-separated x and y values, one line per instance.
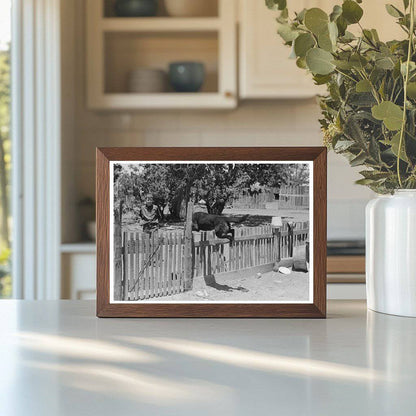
270	286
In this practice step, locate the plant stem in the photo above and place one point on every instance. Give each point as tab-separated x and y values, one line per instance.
373	90
406	80
345	75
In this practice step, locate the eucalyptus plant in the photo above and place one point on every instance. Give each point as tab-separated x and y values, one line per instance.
369	112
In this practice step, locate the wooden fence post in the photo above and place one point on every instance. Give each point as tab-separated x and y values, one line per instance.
118	254
278	233
290	227
125	262
188	269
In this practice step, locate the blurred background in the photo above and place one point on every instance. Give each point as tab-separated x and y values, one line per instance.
99	73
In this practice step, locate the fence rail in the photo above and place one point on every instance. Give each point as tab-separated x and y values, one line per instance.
294	197
154	265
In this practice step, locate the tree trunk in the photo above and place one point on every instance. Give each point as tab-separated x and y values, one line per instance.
4	196
175	208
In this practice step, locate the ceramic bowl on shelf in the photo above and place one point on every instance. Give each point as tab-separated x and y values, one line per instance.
191	8
186	76
147	80
135	8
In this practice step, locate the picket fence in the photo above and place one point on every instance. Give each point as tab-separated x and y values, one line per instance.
294	197
256	201
153	265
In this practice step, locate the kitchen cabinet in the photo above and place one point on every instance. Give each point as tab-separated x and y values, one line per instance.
78	262
265	70
116	46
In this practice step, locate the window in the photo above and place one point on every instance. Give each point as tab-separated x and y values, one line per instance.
5	145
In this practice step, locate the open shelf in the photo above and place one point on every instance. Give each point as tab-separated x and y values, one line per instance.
162	101
116	46
108	9
160	24
127	51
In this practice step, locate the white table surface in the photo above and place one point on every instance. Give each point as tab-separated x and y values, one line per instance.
56	358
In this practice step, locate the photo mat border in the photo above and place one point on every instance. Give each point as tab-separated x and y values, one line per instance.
318	157
265	162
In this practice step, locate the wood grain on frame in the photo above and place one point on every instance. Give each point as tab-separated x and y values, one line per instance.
317	309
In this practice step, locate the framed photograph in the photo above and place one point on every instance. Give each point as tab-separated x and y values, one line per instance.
211	232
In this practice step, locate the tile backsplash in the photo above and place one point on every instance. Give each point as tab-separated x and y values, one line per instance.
284	123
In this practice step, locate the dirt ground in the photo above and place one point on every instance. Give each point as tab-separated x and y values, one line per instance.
270	286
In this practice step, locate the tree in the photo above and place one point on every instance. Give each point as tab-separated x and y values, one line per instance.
216	183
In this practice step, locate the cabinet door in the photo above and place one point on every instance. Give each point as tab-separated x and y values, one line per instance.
265	68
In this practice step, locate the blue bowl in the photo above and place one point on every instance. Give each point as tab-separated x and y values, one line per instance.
136	8
186	76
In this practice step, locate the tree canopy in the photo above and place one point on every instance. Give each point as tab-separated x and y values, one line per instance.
216	183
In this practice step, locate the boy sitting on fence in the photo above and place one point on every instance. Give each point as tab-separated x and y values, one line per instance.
150	214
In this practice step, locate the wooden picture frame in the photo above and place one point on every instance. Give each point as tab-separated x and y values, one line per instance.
317	159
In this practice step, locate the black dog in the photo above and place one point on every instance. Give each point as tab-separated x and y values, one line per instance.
202	221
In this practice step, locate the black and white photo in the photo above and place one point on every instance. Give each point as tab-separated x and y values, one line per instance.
211	232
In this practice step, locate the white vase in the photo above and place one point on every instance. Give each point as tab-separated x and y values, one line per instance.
391	253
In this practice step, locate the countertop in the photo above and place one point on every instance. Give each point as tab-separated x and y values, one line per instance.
57	358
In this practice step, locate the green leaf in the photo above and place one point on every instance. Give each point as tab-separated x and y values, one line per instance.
347	37
303	43
375	35
364	181
385	63
325	43
391	114
316	20
361	99
358	160
358	61
336	12
351	11
342	25
394	145
333	32
411	90
363	86
343	65
321	79
368	36
319	61
286	32
343	145
300	17
406	4
374	175
374	150
283	17
382	88
276	4
412	67
301	63
393	11
354	131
